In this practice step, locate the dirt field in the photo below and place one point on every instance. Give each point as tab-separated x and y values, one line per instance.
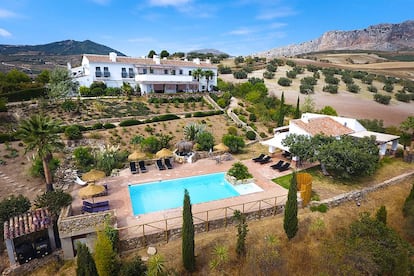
359	106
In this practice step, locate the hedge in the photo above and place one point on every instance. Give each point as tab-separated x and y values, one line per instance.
130	122
7	137
24	95
161	118
108	126
207	113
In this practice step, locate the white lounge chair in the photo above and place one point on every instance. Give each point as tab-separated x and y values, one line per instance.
80	181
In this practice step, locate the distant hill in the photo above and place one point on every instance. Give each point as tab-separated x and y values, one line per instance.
207	51
61	48
381	37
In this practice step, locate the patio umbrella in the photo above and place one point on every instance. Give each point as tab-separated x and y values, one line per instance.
93	175
136	155
91	190
164	153
221	147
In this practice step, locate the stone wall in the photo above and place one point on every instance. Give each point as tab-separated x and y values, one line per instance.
358	195
173	234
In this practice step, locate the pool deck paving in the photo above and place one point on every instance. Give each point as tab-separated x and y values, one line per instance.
118	194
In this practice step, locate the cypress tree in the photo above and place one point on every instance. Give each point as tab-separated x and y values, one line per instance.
290	221
187	243
281	117
381	215
241	233
85	263
106	259
297	110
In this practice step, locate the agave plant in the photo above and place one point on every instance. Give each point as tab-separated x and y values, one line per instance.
192	130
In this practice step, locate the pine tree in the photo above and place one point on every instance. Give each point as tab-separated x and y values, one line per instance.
187	246
290	221
85	263
297	110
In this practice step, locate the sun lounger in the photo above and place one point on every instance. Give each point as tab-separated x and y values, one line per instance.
133	167
284	167
95	207
142	167
160	165
258	158
277	165
265	160
168	163
95	204
80	181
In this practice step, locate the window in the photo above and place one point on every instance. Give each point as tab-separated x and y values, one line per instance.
124	73
107	74
131	72
165	72
98	72
181	71
151	71
189	73
144	71
172	72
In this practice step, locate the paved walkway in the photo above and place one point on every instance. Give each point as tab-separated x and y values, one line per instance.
118	194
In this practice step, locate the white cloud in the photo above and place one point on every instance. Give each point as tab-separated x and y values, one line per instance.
4	33
164	3
275	13
7	14
240	31
142	40
277	25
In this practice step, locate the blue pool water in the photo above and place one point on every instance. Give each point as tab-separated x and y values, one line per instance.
168	194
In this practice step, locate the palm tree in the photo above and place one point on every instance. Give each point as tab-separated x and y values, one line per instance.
197	74
41	134
208	75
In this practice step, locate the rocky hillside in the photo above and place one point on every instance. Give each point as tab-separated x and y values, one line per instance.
381	37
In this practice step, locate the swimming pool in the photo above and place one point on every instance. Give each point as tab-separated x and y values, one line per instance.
168	194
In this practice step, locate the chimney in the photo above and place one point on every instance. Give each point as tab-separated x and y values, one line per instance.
156	59
112	56
69	66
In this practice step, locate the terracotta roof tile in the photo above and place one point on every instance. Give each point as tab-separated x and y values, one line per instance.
30	222
323	125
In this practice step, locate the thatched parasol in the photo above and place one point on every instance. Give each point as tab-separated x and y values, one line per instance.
136	155
91	190
164	153
93	175
221	147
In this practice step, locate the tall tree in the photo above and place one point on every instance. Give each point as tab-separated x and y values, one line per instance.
282	110
85	263
40	133
241	233
297	110
106	259
290	220
164	54
187	248
60	84
209	76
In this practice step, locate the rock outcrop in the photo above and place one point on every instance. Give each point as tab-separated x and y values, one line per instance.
381	37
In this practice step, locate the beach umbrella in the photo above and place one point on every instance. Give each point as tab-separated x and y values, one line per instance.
93	175
221	147
136	155
164	153
91	190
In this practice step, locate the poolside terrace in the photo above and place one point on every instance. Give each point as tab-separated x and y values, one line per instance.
130	225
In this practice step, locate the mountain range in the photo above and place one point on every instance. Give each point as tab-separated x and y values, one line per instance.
63	48
381	37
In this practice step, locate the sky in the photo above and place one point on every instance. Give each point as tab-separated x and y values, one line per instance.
243	27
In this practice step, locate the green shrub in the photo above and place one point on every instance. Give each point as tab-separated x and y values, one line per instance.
37	167
187	115
232	130
252	117
7	137
109	126
239	171
83	158
383	99
68	105
251	135
403	97
330	79
136	267
331	88
73	132
240	74
268	75
130	122
164	117
306	88
309	80
372	89
353	88
388	87
284	81
3	104
323	208
26	94
291	74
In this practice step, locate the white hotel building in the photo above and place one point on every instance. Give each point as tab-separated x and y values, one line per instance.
150	74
